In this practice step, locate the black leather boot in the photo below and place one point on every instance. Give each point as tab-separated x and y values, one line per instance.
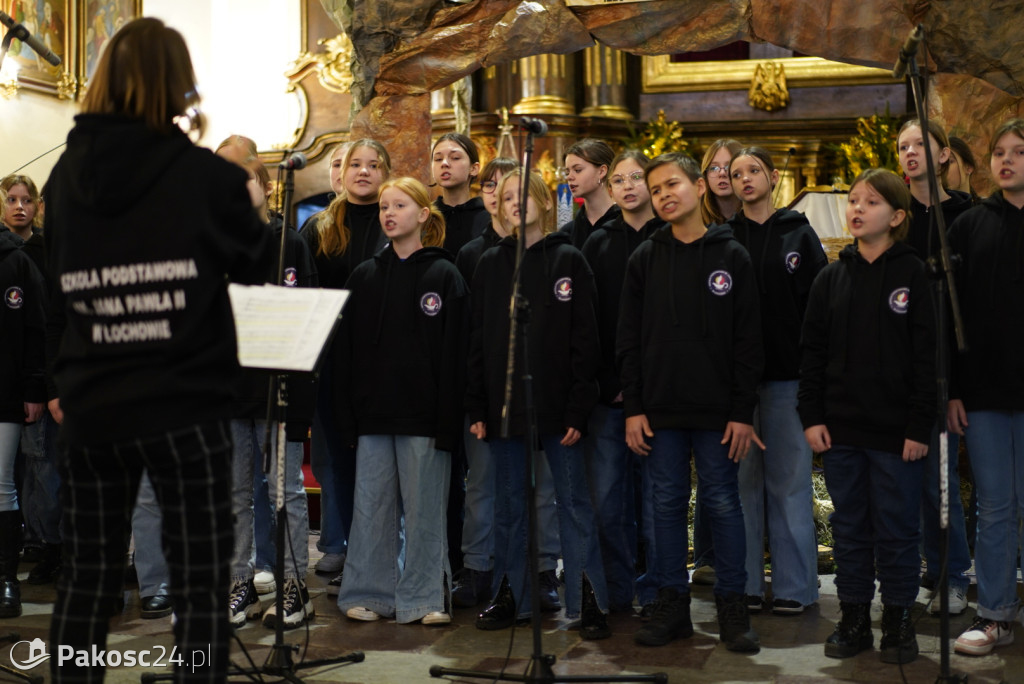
10	547
501	613
899	642
48	568
853	631
593	622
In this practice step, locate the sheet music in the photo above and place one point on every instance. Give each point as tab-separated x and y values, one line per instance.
283	328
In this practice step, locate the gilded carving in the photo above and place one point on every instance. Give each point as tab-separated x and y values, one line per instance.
768	89
333	67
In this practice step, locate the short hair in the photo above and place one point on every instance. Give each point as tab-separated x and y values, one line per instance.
1015	126
502	165
685	163
145	73
541	194
709	210
936	131
13	179
893	190
463	141
432	233
252	158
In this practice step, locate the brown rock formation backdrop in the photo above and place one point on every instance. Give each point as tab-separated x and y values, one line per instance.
411	47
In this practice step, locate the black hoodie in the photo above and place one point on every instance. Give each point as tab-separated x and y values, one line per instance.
563	343
22	329
143	232
990	239
299	271
688	346
402	348
468	257
462	223
921	236
868	344
580	228
787	257
366	238
607	251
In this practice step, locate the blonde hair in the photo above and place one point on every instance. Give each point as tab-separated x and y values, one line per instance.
541	195
9	182
432	232
709	211
145	72
330	225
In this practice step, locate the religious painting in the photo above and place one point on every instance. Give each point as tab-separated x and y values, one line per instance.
50	22
98	21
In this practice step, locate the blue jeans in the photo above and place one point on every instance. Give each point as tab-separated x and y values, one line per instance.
10	435
478	518
264	528
334	466
668	467
40	485
147	521
647	584
877	499
398	477
577	523
610	475
703	548
249	438
780	477
959	553
995	441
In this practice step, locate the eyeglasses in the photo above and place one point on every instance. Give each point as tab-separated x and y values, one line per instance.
489	186
633	178
715	168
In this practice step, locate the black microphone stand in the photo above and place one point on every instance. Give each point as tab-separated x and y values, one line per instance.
941	271
540	668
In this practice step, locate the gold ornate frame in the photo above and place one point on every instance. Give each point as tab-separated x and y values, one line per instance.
88	13
33	74
661	75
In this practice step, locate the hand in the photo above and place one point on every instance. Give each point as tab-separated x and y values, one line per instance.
572	435
913	451
818	438
33	411
55	411
738	436
637	428
956	417
479	429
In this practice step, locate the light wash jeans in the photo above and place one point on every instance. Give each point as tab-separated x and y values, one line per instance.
398	476
10	435
147	521
478	518
334	466
610	476
40	483
577	523
877	498
995	441
780	478
959	553
249	437
668	467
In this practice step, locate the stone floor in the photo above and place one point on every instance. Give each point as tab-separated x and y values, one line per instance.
791	650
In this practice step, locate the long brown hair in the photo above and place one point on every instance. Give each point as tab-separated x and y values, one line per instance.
893	190
709	211
145	72
432	232
334	232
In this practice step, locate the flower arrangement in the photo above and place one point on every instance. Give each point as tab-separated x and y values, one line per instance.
874	146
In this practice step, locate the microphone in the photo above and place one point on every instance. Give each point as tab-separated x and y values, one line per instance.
537	127
21	33
908	51
296	160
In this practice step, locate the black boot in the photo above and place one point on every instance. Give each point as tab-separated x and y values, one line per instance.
593	622
670	619
10	547
501	613
734	624
853	631
899	643
48	568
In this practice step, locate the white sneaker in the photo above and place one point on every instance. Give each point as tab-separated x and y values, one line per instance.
265	582
330	564
957	602
362	614
983	635
438	617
